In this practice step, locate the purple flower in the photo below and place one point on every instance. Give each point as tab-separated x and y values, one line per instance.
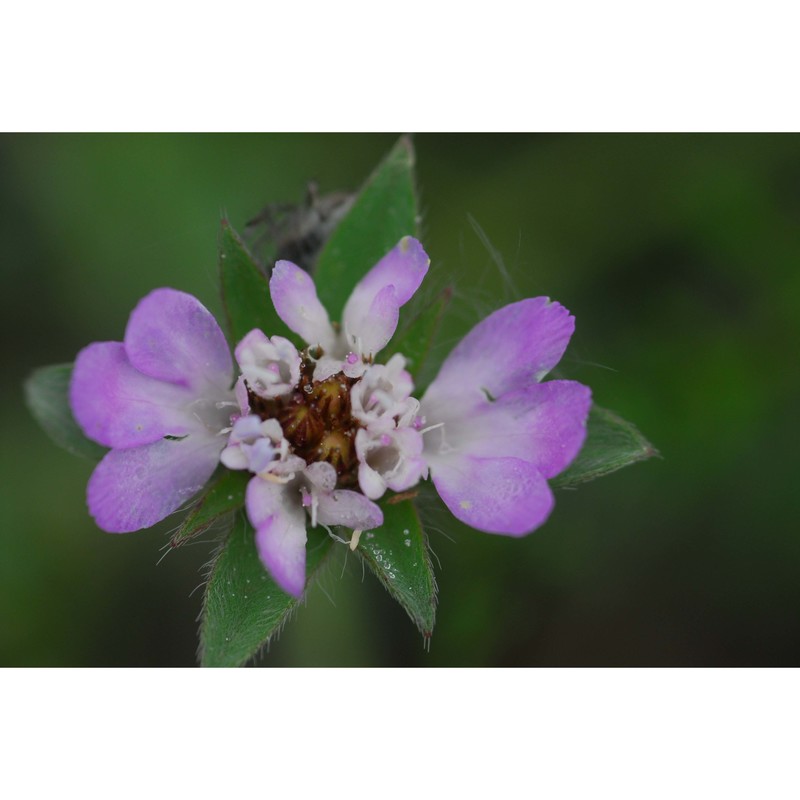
271	367
278	512
370	315
494	433
160	401
389	459
283	492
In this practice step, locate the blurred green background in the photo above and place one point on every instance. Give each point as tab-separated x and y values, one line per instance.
678	255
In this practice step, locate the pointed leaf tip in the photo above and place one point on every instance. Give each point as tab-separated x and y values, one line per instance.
47	397
398	555
245	289
611	444
384	211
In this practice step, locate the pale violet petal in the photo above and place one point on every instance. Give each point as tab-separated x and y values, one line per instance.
275	512
509	350
173	337
295	299
544	424
118	406
136	488
402	268
495	495
368	333
348	509
240	393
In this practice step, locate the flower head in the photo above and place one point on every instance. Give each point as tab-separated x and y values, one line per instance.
318	425
327	431
159	400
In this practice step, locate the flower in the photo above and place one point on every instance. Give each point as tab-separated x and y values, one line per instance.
159	400
278	513
494	432
389	459
383	395
370	315
280	494
271	367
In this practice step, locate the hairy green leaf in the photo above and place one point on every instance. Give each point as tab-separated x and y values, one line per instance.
243	606
47	396
383	212
245	289
611	443
397	553
222	497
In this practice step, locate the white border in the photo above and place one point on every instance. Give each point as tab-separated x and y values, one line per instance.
321	66
692	733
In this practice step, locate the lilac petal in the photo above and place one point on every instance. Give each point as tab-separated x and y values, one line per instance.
510	349
403	267
295	299
133	489
544	424
348	509
495	495
173	337
393	459
240	393
249	340
369	334
371	313
118	406
280	522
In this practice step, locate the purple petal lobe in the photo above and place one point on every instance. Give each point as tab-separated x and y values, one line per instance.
495	495
510	349
173	337
544	424
118	406
280	523
295	299
348	509
133	489
370	333
402	268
